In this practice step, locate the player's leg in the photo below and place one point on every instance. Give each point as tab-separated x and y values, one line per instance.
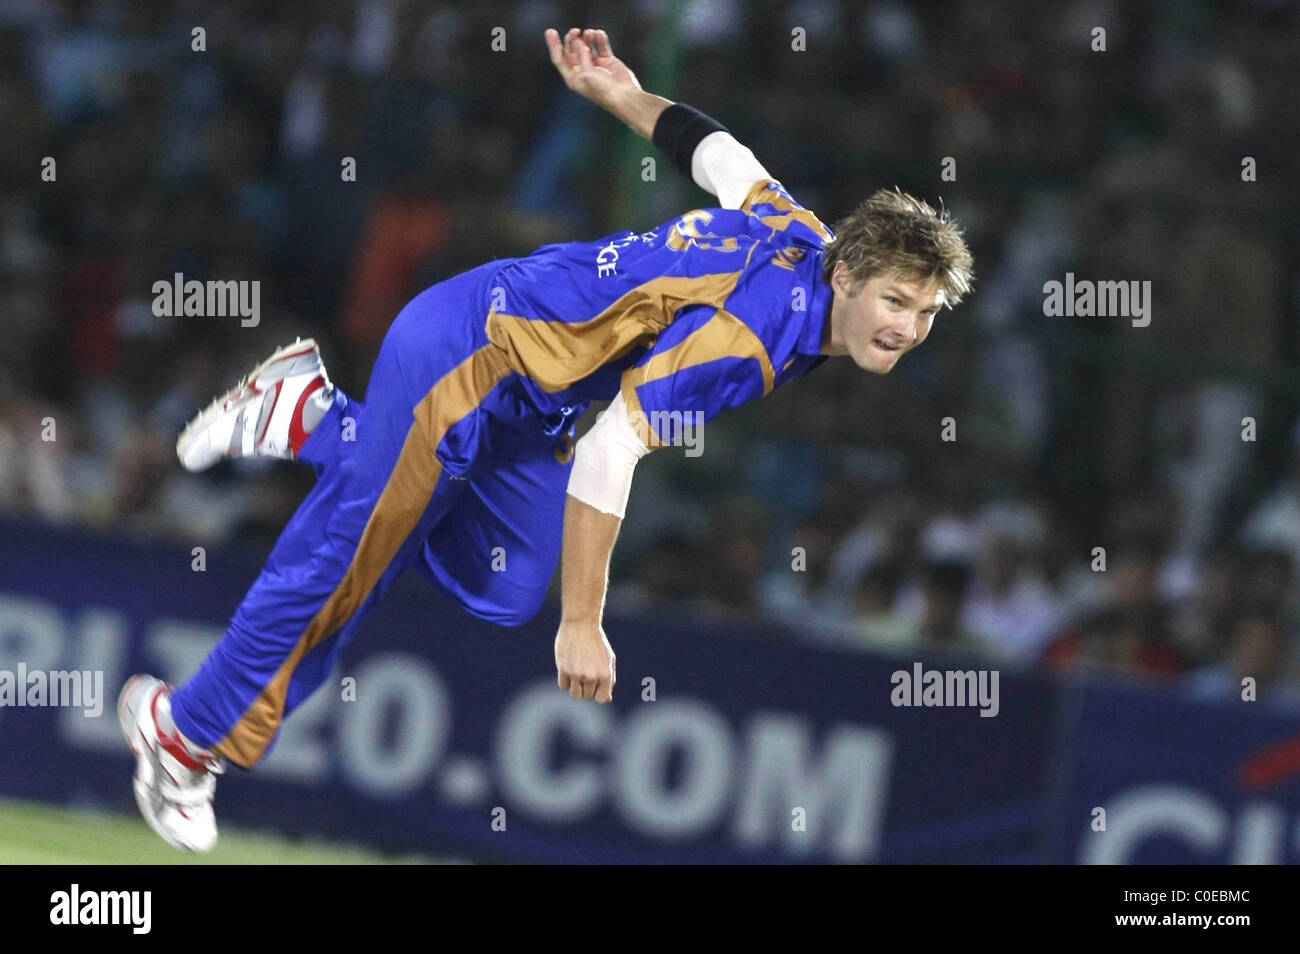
331	441
334	435
285	407
497	552
381	481
376	502
385	496
512	512
309	587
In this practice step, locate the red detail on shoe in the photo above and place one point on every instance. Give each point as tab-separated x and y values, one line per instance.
298	436
279	386
172	745
297	354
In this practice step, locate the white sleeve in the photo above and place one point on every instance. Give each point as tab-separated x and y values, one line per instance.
604	459
724	167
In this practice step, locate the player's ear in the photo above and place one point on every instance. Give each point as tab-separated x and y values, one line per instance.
843	282
838	276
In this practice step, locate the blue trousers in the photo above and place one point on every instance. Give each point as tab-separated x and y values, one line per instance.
445	468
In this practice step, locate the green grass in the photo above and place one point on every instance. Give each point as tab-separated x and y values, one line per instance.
37	834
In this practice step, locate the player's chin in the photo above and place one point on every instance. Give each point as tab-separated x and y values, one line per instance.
877	360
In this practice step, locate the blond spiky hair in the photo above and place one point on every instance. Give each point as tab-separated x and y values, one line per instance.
893	233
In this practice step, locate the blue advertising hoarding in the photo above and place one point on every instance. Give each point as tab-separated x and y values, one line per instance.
724	743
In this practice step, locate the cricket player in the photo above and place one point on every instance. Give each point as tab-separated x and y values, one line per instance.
460	462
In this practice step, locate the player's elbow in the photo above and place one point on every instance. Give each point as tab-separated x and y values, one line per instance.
604	460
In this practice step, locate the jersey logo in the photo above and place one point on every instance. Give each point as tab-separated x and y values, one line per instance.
607	257
607	261
686	232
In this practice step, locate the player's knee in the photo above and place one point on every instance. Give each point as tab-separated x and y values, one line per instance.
516	618
521	609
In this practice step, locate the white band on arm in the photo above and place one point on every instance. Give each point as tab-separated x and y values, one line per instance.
724	167
604	459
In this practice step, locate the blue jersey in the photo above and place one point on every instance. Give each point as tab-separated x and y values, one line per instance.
444	467
707	312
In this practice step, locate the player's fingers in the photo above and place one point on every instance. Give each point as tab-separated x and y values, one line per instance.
584	54
553	46
605	691
575	689
602	40
571	43
589	689
563	680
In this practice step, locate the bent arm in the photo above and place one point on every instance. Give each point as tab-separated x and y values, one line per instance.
636	107
697	144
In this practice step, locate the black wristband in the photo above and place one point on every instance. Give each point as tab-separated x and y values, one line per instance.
679	129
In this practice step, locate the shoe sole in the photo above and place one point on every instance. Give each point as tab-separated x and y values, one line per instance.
209	414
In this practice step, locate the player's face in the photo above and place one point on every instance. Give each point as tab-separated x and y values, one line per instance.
882	319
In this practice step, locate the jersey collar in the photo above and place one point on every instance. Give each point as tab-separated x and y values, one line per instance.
819	309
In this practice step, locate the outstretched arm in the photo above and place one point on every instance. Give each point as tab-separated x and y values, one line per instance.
599	484
700	146
584	659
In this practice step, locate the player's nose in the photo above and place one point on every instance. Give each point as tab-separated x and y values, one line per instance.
902	334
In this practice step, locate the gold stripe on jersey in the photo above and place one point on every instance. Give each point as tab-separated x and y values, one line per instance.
722	336
558	354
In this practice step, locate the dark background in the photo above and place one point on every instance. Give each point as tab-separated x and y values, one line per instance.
1072	433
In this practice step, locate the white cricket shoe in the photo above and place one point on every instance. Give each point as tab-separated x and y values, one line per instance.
174	779
264	414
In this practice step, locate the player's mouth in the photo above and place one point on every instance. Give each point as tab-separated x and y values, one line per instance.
887	346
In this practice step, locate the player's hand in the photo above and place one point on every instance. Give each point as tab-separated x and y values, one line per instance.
588	65
585	661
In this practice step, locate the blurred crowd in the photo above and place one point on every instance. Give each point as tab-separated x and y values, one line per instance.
1063	492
